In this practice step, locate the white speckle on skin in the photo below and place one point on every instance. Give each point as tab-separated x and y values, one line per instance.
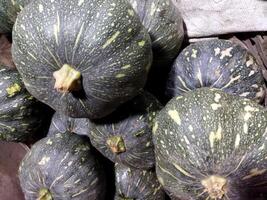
248	108
120	75
142	43
217	97
237	140
251	73
226	52
155	127
190	127
126	66
70	163
131	12
175	116
245	128
80	2
153	9
111	39
130	30
44	160
194	53
215	106
213	137
250	61
41	8
49	141
247	116
217	51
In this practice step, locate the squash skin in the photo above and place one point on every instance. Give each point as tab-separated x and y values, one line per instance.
19	114
96	40
8	13
137	184
133	123
208	132
65	161
61	124
165	27
218	64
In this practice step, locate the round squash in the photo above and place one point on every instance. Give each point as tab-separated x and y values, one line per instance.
165	27
61	166
8	13
211	145
125	136
82	58
61	124
217	64
19	112
135	184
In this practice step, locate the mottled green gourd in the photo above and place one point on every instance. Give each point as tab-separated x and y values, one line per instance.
165	27
218	64
8	13
61	166
63	124
82	58
211	145
19	111
125	136
135	184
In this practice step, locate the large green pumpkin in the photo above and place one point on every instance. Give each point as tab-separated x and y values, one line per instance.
218	64
211	145
165	27
62	166
20	115
136	184
82	58
125	136
8	13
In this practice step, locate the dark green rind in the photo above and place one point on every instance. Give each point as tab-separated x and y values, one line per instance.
208	132
133	122
63	164
19	112
135	184
49	34
217	64
8	13
62	123
165	26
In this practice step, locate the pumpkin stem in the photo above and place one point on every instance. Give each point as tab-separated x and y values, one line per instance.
44	194
116	144
215	186
67	79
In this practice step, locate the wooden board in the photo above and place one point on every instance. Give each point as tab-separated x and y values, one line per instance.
214	17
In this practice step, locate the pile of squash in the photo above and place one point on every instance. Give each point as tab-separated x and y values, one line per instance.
184	124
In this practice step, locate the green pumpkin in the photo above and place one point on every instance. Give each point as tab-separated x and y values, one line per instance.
83	58
19	111
218	64
135	184
62	124
125	136
8	13
211	145
61	166
165	27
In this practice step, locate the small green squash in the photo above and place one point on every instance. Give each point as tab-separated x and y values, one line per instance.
61	124
8	13
20	115
217	64
62	166
83	58
165	27
136	184
211	145
125	136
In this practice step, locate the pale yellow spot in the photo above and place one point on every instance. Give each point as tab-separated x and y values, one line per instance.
217	51
175	116
153	9
250	61
120	75
194	53
41	8
249	108
131	12
179	97
111	39
217	97
213	137
247	116
130	30
110	14
244	94
245	128
237	140
226	52
80	2
251	73
142	43
126	66
49	141
215	106
44	160
13	89
155	127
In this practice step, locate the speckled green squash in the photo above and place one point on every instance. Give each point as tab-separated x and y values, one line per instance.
19	113
8	13
125	136
61	166
135	184
165	26
62	124
211	145
217	64
83	58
